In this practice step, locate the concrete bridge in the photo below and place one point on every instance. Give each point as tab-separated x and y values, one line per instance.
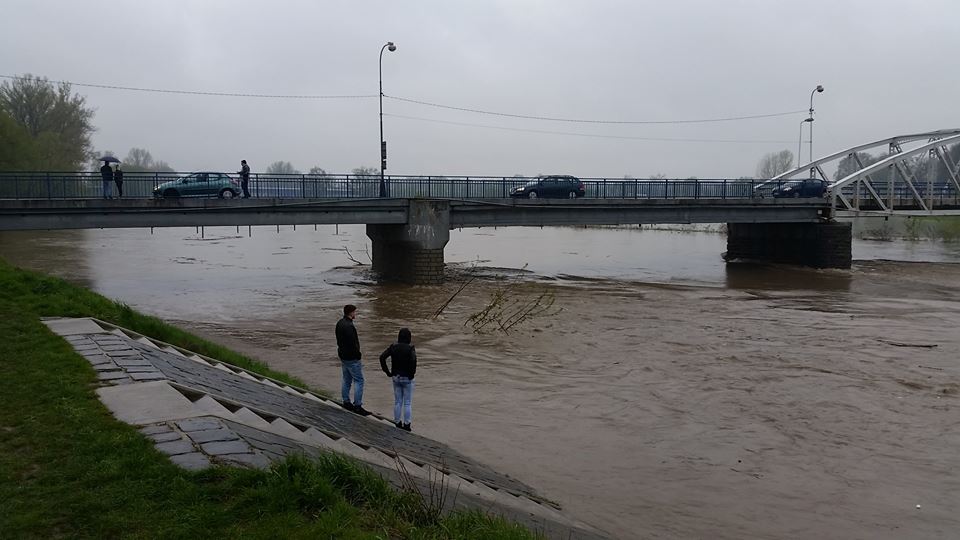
919	173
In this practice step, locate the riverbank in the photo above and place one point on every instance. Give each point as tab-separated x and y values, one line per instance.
69	469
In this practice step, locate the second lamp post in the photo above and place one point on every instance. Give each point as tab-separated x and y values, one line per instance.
383	144
816	90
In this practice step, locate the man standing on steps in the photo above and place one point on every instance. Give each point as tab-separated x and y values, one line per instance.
348	349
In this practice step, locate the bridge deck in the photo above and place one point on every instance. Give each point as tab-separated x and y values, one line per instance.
132	213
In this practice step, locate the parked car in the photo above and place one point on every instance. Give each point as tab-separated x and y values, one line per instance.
555	187
809	187
199	184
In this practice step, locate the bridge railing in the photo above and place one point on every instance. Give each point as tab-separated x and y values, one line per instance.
89	185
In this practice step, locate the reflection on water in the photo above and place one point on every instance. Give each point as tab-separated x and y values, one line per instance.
673	395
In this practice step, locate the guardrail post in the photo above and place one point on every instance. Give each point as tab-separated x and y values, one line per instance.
468	187
724	195
49	194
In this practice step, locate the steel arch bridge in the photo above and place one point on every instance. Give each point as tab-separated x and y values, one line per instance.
905	181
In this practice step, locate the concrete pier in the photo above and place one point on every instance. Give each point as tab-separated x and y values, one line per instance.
819	245
413	252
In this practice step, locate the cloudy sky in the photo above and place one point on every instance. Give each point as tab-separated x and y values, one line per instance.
885	66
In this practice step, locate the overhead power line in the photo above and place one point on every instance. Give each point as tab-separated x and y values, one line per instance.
587	121
599	136
424	103
199	93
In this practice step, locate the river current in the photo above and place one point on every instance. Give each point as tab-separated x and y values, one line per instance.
662	394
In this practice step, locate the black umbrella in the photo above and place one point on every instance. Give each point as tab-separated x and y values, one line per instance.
109	159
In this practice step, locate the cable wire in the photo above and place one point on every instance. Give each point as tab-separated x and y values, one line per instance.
586	121
199	93
599	136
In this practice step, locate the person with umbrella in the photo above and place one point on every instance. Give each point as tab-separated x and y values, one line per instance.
107	174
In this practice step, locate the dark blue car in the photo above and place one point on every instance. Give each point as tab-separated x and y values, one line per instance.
806	188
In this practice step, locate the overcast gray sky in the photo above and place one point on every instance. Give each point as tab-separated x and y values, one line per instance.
885	66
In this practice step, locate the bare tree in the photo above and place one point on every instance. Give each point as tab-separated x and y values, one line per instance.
366	171
317	171
281	167
138	159
774	163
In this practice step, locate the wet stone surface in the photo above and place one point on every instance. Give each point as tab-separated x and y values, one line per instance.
328	419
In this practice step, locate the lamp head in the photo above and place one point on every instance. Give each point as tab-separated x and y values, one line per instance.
819	87
391	47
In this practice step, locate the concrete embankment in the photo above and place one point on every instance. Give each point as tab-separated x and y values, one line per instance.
201	411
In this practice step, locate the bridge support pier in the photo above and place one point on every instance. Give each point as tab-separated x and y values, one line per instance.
413	253
820	245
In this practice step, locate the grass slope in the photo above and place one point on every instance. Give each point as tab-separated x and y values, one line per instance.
69	469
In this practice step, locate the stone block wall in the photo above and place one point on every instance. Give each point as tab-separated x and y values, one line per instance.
819	245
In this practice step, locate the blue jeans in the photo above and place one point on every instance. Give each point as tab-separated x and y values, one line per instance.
352	374
402	399
107	189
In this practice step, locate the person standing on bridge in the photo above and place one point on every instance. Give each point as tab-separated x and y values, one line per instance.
118	180
107	174
245	178
348	349
403	357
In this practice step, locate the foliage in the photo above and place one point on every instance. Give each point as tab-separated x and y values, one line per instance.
317	171
59	122
69	469
281	167
18	151
774	163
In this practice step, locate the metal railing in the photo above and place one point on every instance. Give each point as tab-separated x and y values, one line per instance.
136	185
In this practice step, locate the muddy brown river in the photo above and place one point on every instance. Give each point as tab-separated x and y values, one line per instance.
663	395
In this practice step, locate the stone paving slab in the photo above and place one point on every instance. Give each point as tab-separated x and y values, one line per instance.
193	461
179	446
67	327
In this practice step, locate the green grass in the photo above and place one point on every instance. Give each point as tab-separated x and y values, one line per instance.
69	469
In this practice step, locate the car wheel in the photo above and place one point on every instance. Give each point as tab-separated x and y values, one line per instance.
532	195
227	193
171	194
572	195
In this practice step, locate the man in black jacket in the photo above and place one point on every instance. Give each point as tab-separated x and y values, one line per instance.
348	349
404	368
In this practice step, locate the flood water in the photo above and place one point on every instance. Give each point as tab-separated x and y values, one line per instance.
663	395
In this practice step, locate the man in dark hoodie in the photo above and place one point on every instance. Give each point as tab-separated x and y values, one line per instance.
403	369
348	349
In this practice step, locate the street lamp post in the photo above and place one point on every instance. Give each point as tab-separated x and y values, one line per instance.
383	143
800	140
816	90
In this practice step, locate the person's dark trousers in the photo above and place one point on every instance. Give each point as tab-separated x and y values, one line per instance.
246	192
119	188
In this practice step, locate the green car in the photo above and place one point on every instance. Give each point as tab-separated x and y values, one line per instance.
199	184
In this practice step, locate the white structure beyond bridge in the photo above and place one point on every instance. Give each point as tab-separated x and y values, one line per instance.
904	181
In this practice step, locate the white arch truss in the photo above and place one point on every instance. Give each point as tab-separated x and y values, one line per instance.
903	191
